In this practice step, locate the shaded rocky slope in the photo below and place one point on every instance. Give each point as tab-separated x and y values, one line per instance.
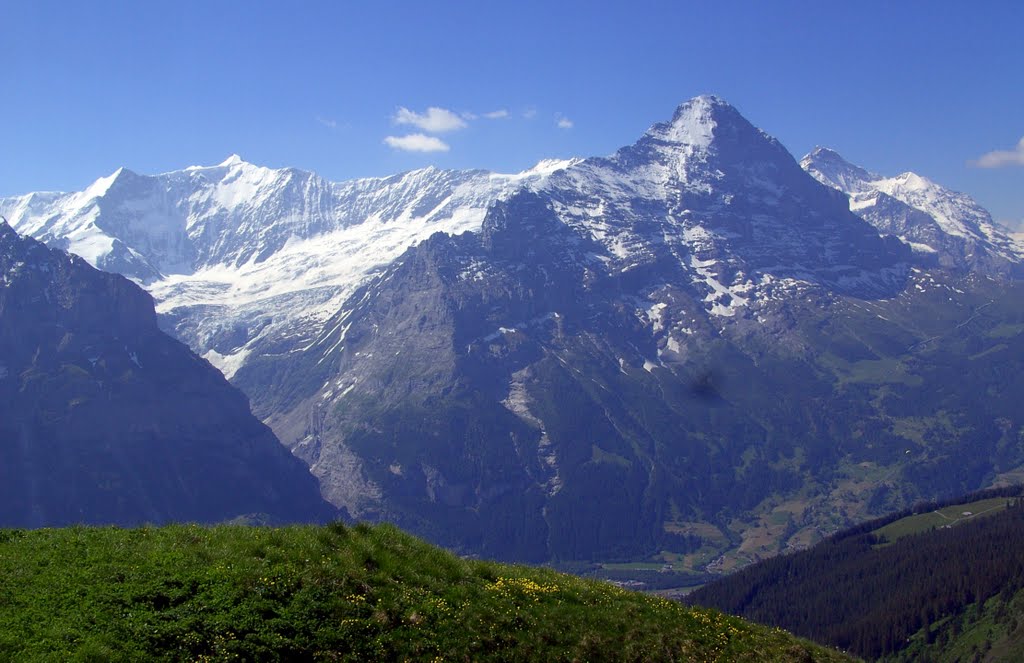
105	419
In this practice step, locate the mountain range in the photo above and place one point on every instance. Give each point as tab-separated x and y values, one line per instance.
697	347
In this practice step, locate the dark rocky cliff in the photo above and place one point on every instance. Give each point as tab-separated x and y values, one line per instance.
105	419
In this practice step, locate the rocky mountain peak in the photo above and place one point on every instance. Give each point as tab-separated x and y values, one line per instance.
694	122
708	145
104	185
831	169
13	248
233	160
701	124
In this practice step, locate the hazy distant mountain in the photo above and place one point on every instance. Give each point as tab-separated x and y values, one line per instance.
105	419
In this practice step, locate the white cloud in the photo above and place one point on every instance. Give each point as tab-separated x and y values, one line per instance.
417	143
435	120
1001	158
529	113
496	115
562	122
327	122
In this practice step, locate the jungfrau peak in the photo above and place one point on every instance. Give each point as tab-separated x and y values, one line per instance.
830	168
942	226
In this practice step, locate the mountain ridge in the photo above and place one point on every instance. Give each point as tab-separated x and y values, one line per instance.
270	254
104	419
268	249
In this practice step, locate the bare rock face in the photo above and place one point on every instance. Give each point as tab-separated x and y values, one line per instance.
105	419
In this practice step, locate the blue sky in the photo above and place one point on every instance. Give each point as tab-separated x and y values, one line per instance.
157	86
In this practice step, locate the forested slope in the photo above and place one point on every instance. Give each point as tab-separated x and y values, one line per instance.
864	592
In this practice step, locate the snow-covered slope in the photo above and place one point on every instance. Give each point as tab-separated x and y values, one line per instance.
242	258
950	226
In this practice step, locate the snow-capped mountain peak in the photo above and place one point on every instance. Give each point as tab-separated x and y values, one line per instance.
233	160
725	202
947	225
101	186
546	167
699	126
245	238
830	168
693	123
705	144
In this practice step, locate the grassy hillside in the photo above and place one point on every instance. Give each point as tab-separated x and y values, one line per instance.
332	593
949	516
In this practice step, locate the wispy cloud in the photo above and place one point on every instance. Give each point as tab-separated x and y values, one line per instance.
417	143
499	114
529	113
327	122
562	122
435	120
1001	158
